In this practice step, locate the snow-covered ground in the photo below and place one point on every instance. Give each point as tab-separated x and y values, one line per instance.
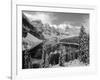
73	63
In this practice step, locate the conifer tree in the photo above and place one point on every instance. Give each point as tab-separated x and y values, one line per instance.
84	46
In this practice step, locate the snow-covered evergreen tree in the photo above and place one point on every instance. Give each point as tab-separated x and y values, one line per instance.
84	46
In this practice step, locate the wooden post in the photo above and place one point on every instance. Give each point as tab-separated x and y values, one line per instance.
43	55
44	62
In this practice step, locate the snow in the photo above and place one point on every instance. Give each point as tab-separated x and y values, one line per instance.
72	63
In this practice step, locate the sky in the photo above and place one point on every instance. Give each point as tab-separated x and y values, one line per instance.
60	19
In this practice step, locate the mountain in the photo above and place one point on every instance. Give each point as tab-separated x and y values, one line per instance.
35	32
28	27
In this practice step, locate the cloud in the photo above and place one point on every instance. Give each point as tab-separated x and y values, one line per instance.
72	30
46	18
54	25
62	26
68	26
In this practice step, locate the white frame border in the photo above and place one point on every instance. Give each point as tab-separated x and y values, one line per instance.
14	44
